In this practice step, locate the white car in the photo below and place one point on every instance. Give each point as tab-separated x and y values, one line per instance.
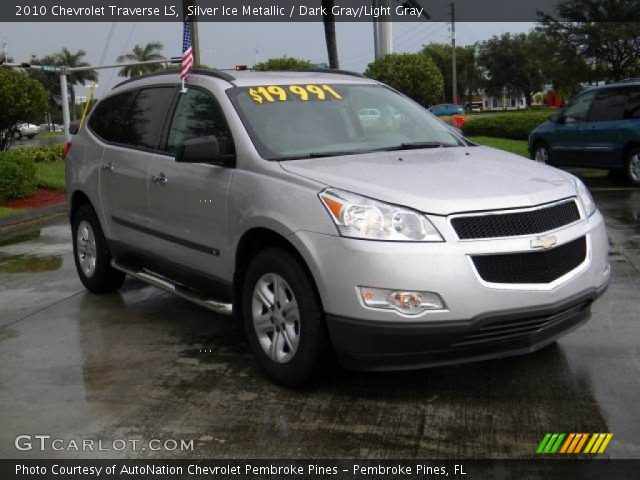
28	130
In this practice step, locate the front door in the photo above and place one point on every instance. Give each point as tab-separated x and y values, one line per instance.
188	201
566	139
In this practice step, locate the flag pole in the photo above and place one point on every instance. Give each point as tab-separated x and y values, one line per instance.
193	25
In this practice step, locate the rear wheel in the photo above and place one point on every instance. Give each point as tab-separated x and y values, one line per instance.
283	319
93	261
541	153
632	166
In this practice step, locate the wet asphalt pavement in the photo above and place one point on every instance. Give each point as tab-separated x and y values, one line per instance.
131	365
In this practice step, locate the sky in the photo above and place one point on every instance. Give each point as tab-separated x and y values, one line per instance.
224	45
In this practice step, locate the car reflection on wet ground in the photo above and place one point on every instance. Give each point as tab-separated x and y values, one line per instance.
141	364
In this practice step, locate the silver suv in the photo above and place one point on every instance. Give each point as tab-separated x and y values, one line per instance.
394	240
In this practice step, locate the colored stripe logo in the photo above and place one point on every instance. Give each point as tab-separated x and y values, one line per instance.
568	443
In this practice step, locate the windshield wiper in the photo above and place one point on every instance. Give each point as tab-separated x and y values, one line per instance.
416	146
321	154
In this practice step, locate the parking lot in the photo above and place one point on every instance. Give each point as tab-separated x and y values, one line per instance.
142	364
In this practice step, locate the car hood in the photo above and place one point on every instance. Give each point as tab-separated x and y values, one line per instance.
441	180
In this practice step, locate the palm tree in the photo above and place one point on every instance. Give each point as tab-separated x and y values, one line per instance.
142	53
330	33
70	59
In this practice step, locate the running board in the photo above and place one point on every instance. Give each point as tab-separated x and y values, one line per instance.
179	290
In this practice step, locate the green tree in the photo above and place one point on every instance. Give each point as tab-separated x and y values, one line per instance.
51	83
511	65
413	74
561	65
283	63
21	99
469	74
142	53
605	33
74	59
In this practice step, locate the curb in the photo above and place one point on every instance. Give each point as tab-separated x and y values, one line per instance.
34	214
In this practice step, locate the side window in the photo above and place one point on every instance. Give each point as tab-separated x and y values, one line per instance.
106	120
145	118
198	115
609	105
578	109
633	104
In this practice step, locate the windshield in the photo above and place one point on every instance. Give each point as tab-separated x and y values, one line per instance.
303	121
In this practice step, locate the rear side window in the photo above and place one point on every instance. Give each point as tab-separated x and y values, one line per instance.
633	104
106	120
145	119
198	115
609	105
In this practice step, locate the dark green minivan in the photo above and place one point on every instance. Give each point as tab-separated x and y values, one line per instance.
599	128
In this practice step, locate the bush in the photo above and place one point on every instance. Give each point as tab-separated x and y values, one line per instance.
413	74
283	63
17	176
516	126
47	153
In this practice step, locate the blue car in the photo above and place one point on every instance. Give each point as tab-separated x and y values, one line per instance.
446	109
599	128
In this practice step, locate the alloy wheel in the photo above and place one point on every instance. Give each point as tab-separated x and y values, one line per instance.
542	155
86	248
634	167
276	317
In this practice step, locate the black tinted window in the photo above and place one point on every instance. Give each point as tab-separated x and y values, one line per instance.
106	120
198	115
633	104
578	109
143	125
609	105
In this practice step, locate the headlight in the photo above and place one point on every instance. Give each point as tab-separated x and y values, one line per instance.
361	217
585	198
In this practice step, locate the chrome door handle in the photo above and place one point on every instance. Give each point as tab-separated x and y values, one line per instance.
108	167
160	178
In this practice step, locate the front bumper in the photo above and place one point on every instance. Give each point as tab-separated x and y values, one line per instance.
362	345
339	265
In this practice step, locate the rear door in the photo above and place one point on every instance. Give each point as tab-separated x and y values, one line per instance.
603	135
133	133
188	201
566	138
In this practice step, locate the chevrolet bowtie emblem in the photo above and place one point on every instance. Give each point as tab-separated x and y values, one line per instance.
544	242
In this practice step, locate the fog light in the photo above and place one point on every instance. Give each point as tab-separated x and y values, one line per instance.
403	301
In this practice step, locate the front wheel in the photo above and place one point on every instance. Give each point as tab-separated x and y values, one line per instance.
541	153
632	167
93	261
283	319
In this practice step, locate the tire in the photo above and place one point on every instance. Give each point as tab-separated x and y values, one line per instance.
286	341
92	257
632	166
542	153
17	135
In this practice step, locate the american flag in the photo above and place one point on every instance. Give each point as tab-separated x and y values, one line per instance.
187	51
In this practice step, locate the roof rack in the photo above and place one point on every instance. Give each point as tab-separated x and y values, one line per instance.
198	71
328	70
627	80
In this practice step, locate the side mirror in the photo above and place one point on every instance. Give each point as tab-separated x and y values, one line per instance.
204	150
74	127
554	118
